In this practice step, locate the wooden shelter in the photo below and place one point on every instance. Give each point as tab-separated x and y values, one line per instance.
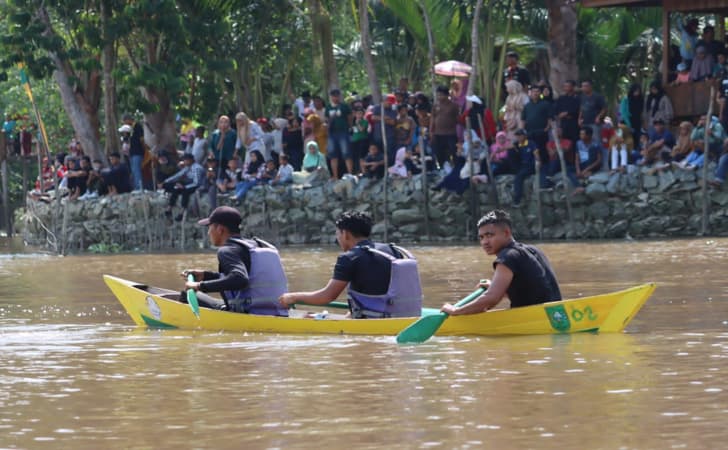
687	99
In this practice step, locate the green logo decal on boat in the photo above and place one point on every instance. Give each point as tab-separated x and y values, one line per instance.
558	318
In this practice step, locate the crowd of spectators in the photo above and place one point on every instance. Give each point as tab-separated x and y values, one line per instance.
316	140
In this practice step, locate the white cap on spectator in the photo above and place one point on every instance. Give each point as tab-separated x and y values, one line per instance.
474	98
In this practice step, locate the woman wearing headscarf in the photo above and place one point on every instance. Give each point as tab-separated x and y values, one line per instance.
250	136
252	175
630	110
314	166
702	67
657	106
515	102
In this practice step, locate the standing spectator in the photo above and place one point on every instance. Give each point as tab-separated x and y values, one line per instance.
535	117
566	111
317	131
657	106
249	135
478	112
303	103
592	110
359	136
184	183
319	107
388	113
702	67
524	162
443	132
712	47
515	72
198	146
515	102
688	40
293	141
339	118
404	131
136	151
630	109
186	135
223	141
588	154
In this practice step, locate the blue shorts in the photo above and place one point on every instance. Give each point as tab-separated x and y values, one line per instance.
339	146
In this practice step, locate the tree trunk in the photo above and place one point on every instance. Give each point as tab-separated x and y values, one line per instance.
367	51
322	34
110	105
81	105
159	128
474	43
562	43
431	49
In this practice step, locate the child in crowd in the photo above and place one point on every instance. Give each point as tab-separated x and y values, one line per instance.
720	69
270	172
285	171
229	178
683	74
373	166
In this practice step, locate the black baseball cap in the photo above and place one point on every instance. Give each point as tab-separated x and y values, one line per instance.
226	216
521	132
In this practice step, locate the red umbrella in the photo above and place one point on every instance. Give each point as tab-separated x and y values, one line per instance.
453	69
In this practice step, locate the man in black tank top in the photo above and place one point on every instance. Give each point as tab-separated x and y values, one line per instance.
522	272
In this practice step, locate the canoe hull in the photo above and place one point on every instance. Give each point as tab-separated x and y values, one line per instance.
158	308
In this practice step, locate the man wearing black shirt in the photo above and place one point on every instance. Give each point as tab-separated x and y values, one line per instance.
522	272
566	111
364	271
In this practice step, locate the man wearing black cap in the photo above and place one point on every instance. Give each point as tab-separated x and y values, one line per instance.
184	182
250	276
514	72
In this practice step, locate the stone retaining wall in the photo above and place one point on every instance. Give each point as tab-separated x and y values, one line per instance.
638	205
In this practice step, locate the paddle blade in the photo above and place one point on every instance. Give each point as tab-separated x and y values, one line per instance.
426	326
192	298
422	329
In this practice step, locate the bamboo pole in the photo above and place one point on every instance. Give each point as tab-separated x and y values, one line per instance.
537	191
385	178
425	189
502	57
706	157
491	178
431	51
564	178
6	198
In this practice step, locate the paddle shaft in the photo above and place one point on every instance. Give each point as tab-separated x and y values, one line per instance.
192	298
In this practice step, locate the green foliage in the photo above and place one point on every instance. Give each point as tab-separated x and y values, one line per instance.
105	248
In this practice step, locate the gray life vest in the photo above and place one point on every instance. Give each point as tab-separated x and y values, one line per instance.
267	282
403	297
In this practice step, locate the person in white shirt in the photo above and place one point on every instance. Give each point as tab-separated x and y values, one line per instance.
285	171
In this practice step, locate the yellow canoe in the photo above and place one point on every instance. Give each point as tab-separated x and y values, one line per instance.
158	308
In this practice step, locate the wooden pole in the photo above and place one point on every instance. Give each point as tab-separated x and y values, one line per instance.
488	166
706	159
665	44
386	172
6	198
537	191
425	189
564	178
470	161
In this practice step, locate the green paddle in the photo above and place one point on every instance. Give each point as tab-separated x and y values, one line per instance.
192	298
426	326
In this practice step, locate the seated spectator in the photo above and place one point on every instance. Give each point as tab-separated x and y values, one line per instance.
285	171
722	170
702	67
693	161
499	155
716	135
683	145
618	153
165	168
314	166
229	178
116	176
404	129
269	173
525	161
213	176
683	74
184	183
660	144
373	166
552	164
95	185
588	158
252	175
720	69
77	175
399	169
45	181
